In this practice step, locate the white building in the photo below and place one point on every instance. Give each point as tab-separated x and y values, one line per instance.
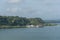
30	26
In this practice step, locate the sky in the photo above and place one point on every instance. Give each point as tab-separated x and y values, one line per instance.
45	9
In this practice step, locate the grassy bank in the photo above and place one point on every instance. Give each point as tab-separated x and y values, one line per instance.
50	24
9	27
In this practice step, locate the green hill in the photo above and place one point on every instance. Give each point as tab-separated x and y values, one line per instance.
16	21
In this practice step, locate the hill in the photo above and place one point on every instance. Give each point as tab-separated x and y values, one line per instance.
16	21
52	21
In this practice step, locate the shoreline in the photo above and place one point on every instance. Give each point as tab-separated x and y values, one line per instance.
11	27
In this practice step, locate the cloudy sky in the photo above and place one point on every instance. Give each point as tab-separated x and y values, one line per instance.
45	9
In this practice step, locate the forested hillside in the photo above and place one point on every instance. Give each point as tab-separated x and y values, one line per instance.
19	21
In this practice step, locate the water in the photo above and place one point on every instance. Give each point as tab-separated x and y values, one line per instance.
46	33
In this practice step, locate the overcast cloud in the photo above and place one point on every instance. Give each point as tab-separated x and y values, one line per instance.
45	9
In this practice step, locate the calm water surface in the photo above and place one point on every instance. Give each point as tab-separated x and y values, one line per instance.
46	33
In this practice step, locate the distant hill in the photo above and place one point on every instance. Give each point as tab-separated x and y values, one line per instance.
52	21
16	20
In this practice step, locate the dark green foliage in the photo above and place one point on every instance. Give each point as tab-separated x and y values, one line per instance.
19	21
36	21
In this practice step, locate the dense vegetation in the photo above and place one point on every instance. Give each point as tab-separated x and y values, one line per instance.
15	21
